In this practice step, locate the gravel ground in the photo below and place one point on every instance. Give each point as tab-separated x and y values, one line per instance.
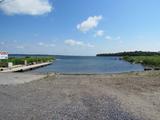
83	97
19	78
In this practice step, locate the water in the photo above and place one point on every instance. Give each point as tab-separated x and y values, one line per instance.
78	64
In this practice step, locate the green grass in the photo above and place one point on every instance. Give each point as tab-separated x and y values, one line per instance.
153	61
20	61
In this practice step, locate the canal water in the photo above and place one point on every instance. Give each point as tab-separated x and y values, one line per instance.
89	65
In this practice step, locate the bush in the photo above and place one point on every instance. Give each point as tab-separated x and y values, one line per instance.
20	61
145	60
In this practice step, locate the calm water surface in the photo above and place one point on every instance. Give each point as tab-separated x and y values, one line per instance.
77	64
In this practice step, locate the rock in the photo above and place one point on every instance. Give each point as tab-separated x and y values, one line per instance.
147	69
157	68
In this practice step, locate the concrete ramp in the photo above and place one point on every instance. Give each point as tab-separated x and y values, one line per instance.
18	78
26	68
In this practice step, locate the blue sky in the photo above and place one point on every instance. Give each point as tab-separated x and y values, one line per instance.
79	27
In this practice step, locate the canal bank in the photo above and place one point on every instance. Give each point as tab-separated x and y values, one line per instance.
26	68
16	64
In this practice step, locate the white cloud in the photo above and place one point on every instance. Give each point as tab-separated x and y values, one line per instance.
2	43
46	45
52	45
118	38
20	47
40	43
72	42
121	41
108	37
35	34
89	24
27	7
90	45
99	33
112	38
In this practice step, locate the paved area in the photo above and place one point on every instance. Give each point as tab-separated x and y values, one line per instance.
25	68
18	78
82	97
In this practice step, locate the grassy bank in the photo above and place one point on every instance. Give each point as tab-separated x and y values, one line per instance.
152	61
21	61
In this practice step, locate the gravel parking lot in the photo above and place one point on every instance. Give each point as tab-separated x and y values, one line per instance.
83	97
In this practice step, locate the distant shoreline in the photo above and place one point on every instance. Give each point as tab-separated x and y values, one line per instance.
132	53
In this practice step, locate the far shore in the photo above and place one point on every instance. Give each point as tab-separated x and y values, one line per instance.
133	95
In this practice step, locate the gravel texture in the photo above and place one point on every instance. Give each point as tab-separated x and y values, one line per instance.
19	78
79	97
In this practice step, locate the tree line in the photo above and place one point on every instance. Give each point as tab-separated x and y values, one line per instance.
134	53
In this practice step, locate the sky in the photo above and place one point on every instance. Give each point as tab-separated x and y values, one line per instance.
79	27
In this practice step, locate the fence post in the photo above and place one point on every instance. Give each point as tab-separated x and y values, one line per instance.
10	64
25	62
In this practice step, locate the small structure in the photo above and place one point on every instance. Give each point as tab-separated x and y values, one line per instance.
25	62
3	55
10	64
